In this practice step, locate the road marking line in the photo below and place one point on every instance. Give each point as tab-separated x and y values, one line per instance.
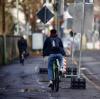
90	73
92	62
96	86
83	68
93	83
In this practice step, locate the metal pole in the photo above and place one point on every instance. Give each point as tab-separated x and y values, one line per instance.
3	30
60	10
73	43
17	6
99	31
82	31
3	16
57	16
73	49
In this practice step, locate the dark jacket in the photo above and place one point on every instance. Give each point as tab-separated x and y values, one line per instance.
22	45
47	47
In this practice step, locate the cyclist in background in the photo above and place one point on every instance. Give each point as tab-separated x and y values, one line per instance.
53	47
22	47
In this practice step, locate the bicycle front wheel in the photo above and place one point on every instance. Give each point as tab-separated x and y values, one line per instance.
56	81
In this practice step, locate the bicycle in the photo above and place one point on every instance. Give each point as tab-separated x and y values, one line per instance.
56	75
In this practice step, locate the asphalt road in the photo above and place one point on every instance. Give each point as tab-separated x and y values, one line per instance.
91	66
24	82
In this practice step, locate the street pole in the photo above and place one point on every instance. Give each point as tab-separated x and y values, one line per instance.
3	16
17	6
59	14
58	11
56	2
82	31
99	31
3	31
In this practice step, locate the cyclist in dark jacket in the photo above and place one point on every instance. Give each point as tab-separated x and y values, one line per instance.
22	46
53	52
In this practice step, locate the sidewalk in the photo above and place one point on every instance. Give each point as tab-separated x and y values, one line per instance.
21	82
24	82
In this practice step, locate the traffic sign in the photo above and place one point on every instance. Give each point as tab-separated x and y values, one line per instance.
45	14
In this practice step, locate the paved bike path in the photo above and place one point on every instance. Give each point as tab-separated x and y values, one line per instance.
24	82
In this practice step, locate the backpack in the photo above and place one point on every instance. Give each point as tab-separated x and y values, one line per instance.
55	43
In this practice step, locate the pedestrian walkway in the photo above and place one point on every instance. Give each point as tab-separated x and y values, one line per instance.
24	82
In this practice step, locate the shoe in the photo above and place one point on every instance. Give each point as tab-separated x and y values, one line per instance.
50	84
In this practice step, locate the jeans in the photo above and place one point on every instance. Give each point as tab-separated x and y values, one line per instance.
51	58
